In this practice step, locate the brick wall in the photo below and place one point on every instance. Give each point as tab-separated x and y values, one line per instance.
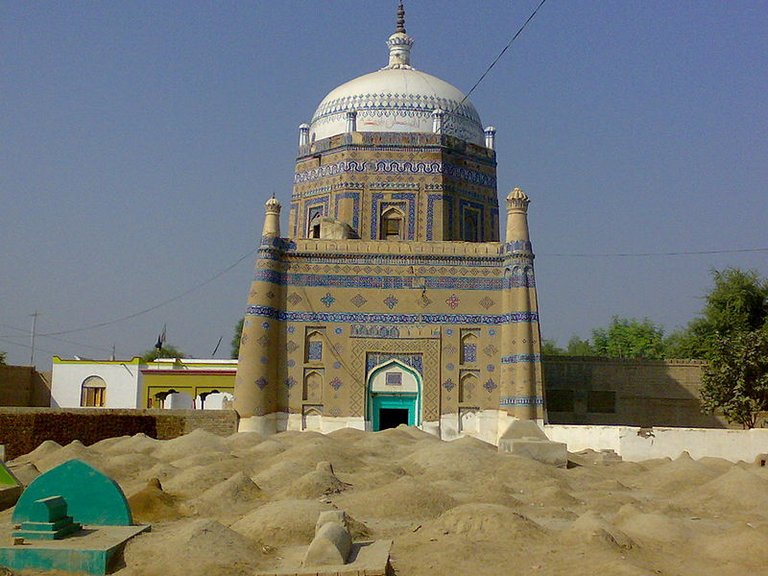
24	386
24	429
586	390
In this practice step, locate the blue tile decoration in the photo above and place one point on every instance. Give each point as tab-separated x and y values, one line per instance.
490	367
396	167
450	367
385	318
290	382
490	350
338	330
328	300
336	365
490	385
520	358
469	353
449	385
291	363
449	331
453	301
265	325
374	331
261	383
491	332
315	350
291	329
391	301
521	401
374	359
264	360
465	205
291	346
336	383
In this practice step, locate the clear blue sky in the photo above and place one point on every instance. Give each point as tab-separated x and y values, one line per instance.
140	140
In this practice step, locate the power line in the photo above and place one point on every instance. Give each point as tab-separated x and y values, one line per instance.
509	44
156	306
646	254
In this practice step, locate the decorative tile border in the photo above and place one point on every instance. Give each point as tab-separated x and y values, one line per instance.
521	401
520	358
381	318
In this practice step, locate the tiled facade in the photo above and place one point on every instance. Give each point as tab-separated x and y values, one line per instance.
393	293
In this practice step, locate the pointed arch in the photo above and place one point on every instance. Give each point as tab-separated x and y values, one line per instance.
392	226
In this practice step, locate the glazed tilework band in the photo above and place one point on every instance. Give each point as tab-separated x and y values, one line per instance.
521	401
520	358
518	280
365	317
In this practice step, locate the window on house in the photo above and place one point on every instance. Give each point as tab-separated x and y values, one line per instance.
93	393
392	225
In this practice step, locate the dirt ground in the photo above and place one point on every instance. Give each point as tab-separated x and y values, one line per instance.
238	505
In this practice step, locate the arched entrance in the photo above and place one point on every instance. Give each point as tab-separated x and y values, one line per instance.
394	396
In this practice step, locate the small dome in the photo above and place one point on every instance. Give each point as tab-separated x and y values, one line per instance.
397	99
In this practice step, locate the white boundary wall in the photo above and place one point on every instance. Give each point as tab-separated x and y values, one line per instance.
635	444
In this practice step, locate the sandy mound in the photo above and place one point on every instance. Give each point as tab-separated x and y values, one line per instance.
127	466
25	472
228	497
136	444
199	546
196	442
591	527
650	526
45	449
152	504
680	474
193	481
406	497
277	476
483	522
287	522
315	484
74	449
243	440
450	459
736	489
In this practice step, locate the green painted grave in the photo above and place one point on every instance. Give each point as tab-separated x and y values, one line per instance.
72	518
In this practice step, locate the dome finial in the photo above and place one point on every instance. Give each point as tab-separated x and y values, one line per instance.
400	18
399	44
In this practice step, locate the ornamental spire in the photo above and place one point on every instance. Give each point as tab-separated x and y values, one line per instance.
400	18
400	44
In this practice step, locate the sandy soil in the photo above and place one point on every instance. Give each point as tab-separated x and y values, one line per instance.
242	504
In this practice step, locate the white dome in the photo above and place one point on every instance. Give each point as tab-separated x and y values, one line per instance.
397	99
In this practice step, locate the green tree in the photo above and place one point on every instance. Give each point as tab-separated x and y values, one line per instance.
629	338
579	347
2	357
736	378
550	348
737	302
167	351
235	350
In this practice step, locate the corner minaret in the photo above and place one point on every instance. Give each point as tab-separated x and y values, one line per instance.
522	392
256	382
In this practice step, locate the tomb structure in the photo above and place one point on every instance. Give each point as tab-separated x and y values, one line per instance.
391	299
72	518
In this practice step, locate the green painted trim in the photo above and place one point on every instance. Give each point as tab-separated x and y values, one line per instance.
378	400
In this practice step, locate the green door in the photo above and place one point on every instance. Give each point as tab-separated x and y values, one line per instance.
390	410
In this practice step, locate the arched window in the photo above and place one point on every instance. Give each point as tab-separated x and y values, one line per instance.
313	221
469	348
471	226
467	387
313	387
314	347
392	225
93	392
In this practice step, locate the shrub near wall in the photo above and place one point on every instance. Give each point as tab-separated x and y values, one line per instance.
24	429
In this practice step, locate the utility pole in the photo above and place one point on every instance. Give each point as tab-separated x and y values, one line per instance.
32	339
